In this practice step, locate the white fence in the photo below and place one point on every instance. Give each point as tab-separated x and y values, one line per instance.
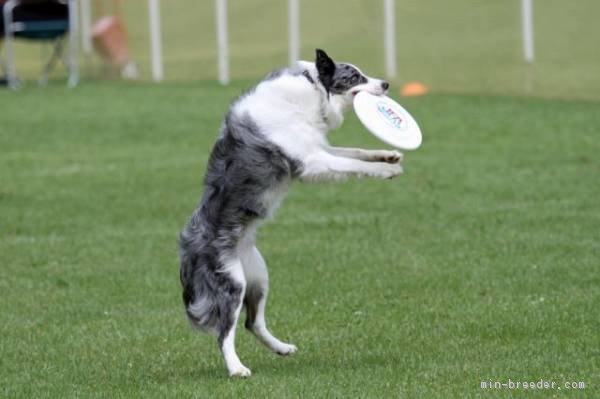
388	8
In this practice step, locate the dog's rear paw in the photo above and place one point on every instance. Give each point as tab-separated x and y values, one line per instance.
286	349
240	372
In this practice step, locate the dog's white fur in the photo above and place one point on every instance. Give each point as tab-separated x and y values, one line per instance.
297	115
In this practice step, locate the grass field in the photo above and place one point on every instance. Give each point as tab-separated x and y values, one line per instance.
480	263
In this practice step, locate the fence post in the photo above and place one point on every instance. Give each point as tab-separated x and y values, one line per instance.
156	48
389	37
222	42
73	43
527	24
294	31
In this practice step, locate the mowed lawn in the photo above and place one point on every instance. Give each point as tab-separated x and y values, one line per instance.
481	263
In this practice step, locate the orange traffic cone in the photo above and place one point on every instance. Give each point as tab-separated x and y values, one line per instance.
413	89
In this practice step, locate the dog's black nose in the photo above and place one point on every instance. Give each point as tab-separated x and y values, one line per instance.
385	85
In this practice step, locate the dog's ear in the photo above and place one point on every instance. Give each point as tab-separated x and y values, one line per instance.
325	67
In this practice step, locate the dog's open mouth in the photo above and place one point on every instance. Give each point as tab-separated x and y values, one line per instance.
355	92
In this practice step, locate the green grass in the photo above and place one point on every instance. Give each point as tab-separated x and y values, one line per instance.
480	263
459	46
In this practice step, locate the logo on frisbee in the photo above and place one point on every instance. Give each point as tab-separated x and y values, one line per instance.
391	117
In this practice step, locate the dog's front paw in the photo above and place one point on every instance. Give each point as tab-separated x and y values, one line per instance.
394	157
240	372
388	156
286	349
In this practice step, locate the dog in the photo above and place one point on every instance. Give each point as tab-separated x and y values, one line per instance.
272	135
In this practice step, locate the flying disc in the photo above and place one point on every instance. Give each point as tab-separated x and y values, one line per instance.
387	120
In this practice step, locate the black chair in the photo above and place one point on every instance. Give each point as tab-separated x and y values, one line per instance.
42	20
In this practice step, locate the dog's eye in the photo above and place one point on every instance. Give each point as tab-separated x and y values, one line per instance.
354	79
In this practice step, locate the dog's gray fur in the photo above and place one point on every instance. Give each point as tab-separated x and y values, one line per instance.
242	167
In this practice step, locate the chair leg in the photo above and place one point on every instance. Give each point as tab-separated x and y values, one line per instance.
3	66
71	67
11	75
43	80
57	53
3	80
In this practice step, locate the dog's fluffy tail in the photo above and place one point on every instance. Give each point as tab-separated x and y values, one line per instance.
209	294
199	298
198	294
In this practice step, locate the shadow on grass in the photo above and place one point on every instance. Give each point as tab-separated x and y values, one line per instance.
273	366
276	366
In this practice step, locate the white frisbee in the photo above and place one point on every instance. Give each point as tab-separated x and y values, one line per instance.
387	120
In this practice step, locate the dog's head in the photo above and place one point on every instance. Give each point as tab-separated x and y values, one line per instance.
345	80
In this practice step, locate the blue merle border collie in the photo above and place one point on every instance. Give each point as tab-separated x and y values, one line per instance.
273	134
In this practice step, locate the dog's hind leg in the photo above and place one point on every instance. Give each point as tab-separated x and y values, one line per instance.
230	306
255	300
